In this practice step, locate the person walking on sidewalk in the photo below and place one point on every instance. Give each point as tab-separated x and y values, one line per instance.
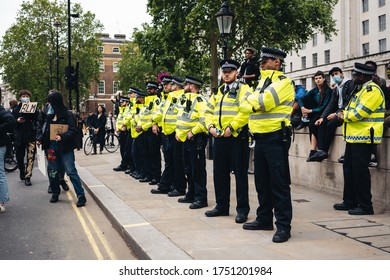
25	132
270	107
229	127
363	127
7	125
59	145
99	129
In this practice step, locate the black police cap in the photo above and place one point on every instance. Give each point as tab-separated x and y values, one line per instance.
177	80
335	69
133	89
229	64
166	79
151	84
363	69
272	53
124	98
193	80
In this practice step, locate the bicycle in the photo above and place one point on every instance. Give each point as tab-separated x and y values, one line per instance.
10	163
111	142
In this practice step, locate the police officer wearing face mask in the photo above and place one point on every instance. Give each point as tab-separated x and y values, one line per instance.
328	122
362	128
25	133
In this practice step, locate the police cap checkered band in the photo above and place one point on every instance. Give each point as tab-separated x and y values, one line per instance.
363	69
272	53
193	80
166	79
124	98
133	89
229	64
177	80
151	84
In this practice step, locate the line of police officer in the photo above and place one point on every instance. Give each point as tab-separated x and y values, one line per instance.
181	119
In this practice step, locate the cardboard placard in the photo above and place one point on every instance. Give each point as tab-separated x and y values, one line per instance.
29	108
57	129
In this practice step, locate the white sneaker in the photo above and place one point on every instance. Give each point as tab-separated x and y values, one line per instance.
2	208
373	161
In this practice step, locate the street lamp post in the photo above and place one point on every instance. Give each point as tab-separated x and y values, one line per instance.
50	69
225	18
70	69
57	24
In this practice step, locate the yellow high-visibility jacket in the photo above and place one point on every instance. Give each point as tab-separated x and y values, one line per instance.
223	109
271	107
364	116
166	115
120	118
191	117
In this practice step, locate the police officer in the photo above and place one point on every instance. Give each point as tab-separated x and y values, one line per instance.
190	130
229	127
363	126
165	119
122	132
270	106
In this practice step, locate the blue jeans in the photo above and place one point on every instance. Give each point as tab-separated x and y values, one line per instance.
67	159
4	195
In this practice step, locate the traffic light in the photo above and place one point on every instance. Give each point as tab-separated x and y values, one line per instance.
71	77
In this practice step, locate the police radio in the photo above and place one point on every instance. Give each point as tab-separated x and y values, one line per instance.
188	105
150	105
233	90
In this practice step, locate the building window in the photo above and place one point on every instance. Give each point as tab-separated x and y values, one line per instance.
327	56
303	60
382	22
116	50
315	40
101	49
303	46
115	67
303	83
102	87
366	49
382	45
315	59
291	66
101	67
115	86
366	27
381	3
365	5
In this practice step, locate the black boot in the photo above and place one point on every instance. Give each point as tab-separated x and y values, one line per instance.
54	198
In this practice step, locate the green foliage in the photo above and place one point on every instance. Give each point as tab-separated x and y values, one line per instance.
184	33
24	50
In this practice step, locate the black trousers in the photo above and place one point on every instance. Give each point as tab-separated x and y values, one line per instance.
138	149
326	132
357	178
272	179
180	181
128	160
122	146
168	174
194	158
231	154
152	143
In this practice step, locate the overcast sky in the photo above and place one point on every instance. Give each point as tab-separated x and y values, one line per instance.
117	16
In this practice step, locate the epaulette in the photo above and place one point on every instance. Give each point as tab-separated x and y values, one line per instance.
369	88
199	99
157	101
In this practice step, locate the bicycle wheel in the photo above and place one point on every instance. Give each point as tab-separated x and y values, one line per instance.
111	143
10	163
88	146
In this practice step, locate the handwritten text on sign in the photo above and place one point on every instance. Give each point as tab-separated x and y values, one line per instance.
29	107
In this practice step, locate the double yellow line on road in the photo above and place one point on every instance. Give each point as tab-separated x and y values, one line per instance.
89	228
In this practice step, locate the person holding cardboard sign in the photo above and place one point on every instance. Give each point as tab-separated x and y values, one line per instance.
59	139
26	117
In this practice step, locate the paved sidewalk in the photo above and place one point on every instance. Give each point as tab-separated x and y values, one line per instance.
158	227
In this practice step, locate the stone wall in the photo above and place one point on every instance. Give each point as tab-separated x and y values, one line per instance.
327	176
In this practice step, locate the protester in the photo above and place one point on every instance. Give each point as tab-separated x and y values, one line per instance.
7	125
59	139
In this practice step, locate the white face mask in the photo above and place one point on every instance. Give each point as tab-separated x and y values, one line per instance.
50	110
25	99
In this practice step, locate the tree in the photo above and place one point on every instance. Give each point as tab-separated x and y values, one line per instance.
24	49
187	29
